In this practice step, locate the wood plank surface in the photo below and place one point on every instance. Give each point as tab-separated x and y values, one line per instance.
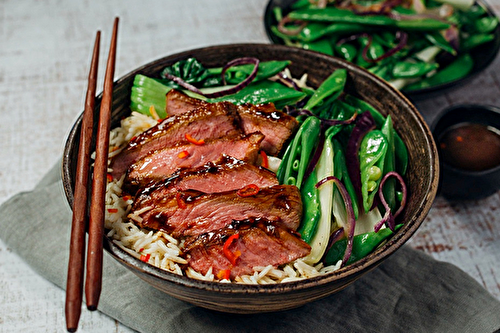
45	49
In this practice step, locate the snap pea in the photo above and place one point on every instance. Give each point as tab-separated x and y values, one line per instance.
315	30
342	174
330	88
322	46
296	159
372	153
347	51
389	189
238	73
475	40
407	69
401	151
311	210
485	25
336	15
264	92
363	245
437	39
456	70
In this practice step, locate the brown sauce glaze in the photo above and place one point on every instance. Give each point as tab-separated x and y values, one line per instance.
470	146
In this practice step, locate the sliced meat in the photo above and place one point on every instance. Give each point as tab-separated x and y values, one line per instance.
178	103
276	126
211	121
227	174
187	213
249	243
162	163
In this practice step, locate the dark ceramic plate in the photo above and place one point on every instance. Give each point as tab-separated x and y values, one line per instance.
482	55
422	179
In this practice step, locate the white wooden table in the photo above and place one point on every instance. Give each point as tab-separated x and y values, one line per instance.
45	51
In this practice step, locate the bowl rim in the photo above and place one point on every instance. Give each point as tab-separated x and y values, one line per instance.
367	263
423	93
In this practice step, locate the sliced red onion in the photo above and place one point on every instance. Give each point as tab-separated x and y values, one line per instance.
389	219
232	90
334	237
351	220
284	79
327	122
291	32
376	9
364	124
452	35
402	38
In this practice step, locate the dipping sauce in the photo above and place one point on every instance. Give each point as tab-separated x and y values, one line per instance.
473	147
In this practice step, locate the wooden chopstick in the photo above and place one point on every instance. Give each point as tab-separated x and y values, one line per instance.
74	284
93	279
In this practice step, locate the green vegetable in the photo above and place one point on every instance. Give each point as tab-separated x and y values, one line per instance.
342	174
456	70
371	162
311	208
363	245
323	169
389	189
406	69
401	151
330	88
299	152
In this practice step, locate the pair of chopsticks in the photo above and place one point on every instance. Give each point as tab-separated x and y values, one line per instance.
93	279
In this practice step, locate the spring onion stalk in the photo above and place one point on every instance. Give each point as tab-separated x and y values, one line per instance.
367	221
460	4
324	169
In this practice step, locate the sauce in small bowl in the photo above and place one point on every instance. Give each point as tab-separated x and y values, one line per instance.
468	140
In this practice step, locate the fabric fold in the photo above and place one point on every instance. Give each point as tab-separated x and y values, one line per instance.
409	292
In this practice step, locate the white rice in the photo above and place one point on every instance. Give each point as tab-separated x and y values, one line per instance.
163	250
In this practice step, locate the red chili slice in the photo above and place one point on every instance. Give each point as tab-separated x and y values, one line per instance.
193	140
146	257
248	191
224	274
265	160
227	253
180	201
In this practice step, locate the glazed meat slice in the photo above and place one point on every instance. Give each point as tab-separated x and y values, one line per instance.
163	163
249	243
211	121
276	126
178	103
227	174
187	213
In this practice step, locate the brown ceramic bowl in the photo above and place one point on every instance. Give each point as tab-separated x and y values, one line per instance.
421	178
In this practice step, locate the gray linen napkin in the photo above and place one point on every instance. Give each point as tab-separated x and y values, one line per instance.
409	292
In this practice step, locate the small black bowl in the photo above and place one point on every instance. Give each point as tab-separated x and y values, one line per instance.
459	182
483	55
